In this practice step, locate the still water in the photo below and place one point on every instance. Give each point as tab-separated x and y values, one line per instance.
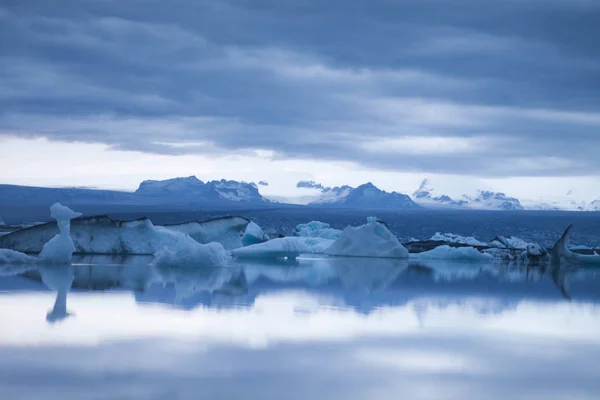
317	328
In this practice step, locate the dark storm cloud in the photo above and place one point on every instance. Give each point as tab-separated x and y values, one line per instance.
497	88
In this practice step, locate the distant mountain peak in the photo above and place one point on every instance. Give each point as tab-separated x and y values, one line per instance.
365	196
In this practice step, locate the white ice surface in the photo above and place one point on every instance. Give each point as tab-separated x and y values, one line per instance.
370	240
287	247
317	229
453	253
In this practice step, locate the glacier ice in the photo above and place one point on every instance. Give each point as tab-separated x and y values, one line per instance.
317	229
453	253
103	235
454	238
253	235
286	247
370	240
60	248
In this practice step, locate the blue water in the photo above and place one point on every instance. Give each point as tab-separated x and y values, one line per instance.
317	328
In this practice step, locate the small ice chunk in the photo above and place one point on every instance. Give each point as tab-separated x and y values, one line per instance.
454	238
370	240
453	253
253	235
287	247
317	229
60	248
509	242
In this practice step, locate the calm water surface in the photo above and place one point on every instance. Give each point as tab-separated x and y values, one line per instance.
116	328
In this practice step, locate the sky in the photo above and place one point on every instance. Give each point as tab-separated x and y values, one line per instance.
499	93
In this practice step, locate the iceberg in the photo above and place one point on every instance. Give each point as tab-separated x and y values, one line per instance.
253	235
561	251
103	235
453	253
287	247
453	238
317	229
60	248
370	240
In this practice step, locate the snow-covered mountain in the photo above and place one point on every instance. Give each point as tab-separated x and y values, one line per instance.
366	196
428	196
192	188
175	191
436	195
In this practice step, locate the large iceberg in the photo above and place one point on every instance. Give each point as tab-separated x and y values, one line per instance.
60	248
103	235
253	235
317	229
370	240
287	247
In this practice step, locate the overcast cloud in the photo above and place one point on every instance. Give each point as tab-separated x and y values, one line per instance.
492	88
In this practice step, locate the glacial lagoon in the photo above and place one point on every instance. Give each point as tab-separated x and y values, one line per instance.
316	327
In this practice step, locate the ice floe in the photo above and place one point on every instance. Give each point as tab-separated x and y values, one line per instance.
453	253
454	238
287	247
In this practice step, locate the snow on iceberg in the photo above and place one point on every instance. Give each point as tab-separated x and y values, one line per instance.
453	253
453	238
103	235
317	229
253	235
60	248
287	247
370	240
